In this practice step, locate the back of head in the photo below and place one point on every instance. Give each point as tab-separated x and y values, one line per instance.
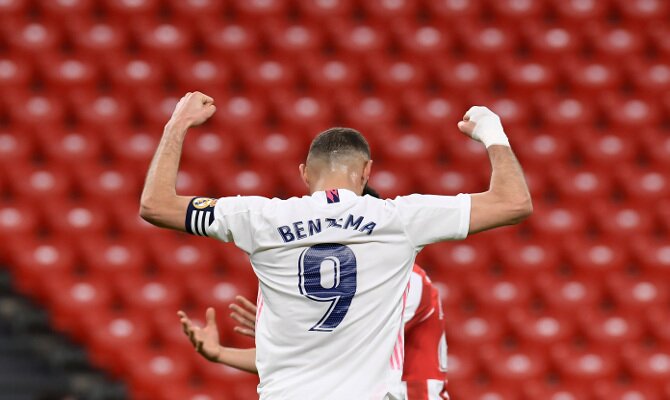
338	144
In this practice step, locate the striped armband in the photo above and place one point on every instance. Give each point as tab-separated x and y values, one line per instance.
199	215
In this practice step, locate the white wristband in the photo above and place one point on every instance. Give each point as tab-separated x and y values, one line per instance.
488	128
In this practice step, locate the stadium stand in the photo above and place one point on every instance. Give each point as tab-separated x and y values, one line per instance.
574	303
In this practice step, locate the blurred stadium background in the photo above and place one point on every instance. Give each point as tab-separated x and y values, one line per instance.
571	305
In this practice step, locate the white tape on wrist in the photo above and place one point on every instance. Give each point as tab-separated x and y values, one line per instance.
488	128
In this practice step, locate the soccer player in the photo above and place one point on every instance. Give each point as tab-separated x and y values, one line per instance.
333	267
425	366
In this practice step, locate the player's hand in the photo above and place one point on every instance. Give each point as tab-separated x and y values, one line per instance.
193	109
205	339
483	125
245	314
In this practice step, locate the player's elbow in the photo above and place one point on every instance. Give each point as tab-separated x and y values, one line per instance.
519	209
150	212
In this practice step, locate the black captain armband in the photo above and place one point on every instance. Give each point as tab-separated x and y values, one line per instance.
199	215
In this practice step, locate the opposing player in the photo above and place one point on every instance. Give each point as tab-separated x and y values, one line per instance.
333	267
425	366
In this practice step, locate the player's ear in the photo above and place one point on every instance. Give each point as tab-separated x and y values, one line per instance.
303	174
367	168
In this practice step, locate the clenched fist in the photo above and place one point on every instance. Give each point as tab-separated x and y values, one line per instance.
193	109
483	125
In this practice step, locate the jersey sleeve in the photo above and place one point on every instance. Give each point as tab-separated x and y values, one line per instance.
429	219
228	219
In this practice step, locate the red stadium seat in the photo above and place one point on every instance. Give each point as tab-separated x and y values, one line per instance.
656	147
17	220
452	293
394	77
568	294
367	113
601	150
652	255
429	113
206	146
391	181
269	149
657	33
36	262
237	113
106	185
106	332
642	12
177	260
131	9
67	10
541	389
566	117
595	258
622	223
462	366
465	153
99	39
524	78
470	391
588	78
72	76
99	111
13	10
454	262
245	182
264	76
332	76
31	38
618	391
408	147
69	297
485	43
463	75
421	42
163	40
227	379
192	182
113	259
16	147
127	218
33	184
359	41
184	392
451	11
133	148
539	331
388	11
149	295
304	115
228	40
294	40
644	185
551	43
515	365
149	370
528	258
649	78
443	180
318	10
201	74
36	111
514	11
260	10
558	222
75	220
629	113
131	76
575	186
16	73
70	149
637	293
473	331
649	365
192	10
538	151
658	321
585	366
497	294
611	329
611	43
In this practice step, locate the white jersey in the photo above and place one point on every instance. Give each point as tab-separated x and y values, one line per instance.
333	269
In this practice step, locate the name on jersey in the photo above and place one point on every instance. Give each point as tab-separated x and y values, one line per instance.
304	229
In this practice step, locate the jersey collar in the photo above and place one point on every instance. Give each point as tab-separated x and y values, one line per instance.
331	196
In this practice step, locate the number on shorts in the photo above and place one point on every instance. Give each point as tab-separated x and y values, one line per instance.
340	295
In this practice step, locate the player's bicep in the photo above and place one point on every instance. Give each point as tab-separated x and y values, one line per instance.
169	214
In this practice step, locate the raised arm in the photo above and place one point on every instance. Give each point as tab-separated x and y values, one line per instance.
160	205
507	201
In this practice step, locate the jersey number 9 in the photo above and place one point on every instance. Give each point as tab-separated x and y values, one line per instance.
329	257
